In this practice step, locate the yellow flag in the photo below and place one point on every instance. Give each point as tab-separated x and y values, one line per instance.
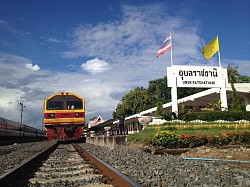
210	49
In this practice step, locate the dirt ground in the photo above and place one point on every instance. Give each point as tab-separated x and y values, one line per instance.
237	154
232	152
229	152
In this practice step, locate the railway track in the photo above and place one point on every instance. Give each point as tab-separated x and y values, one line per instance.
65	165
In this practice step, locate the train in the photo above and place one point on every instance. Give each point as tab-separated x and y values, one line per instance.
64	116
12	132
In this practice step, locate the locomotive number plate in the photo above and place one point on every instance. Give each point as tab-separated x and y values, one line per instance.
65	114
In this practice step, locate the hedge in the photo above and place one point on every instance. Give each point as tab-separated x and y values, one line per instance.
216	115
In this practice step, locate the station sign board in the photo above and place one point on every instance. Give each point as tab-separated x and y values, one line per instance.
196	76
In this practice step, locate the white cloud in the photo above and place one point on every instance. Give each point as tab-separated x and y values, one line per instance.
17	84
95	66
53	39
135	38
129	44
13	59
137	34
32	67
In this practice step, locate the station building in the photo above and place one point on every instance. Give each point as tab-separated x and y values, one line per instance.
196	102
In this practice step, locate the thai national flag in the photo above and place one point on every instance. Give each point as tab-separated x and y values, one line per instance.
167	44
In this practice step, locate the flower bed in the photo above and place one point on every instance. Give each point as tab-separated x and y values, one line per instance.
168	139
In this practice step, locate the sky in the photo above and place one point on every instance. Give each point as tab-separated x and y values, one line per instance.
101	50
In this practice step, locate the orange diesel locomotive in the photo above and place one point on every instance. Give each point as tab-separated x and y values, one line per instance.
64	116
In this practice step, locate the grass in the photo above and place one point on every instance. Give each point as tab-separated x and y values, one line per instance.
146	133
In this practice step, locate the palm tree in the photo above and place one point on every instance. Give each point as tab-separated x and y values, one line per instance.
233	74
233	77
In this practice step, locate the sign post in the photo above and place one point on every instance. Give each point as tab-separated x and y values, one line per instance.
174	95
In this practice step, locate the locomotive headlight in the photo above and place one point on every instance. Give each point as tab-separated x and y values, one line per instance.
51	115
78	115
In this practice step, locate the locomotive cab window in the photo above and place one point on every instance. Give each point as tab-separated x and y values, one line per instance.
54	105
72	105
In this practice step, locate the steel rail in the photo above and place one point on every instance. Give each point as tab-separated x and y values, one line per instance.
118	178
13	175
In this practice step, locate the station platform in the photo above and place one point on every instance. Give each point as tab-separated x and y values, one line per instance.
107	141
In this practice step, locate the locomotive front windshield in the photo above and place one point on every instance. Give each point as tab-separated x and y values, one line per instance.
74	104
63	103
54	105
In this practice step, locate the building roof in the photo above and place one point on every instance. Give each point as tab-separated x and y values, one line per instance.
95	121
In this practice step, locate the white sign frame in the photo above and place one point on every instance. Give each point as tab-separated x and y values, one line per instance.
196	76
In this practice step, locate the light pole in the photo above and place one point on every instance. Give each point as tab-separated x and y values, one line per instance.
1	112
22	107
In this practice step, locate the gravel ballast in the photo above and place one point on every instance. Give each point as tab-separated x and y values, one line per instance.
145	168
168	170
13	155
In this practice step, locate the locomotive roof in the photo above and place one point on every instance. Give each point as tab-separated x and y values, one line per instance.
64	94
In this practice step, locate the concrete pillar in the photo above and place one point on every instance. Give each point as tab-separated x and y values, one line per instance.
107	129
85	133
247	102
223	92
92	133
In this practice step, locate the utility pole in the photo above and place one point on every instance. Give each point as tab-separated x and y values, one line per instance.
1	111
22	107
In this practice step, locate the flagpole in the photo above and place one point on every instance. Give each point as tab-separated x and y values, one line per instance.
218	50
171	52
174	86
219	58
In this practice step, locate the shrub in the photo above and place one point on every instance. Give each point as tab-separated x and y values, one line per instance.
165	138
230	138
192	140
217	115
242	137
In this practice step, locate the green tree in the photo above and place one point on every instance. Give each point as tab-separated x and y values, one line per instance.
184	92
135	101
165	91
244	79
159	109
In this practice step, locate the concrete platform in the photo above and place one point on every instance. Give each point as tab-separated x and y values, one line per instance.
107	141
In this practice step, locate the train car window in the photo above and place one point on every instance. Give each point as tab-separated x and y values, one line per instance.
72	105
54	105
